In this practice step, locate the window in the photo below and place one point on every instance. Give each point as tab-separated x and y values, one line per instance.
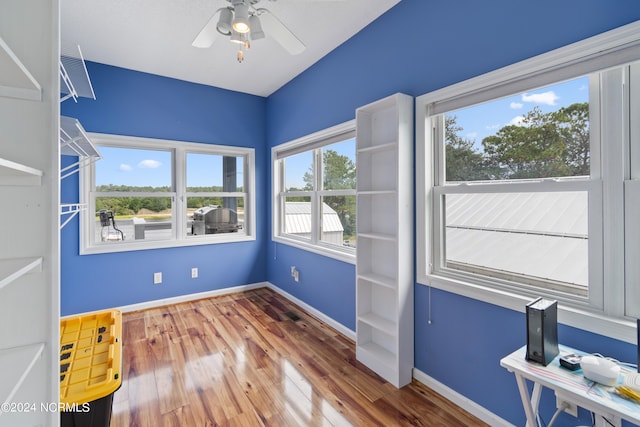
315	192
147	194
524	178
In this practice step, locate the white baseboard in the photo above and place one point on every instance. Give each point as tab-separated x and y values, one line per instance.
467	404
315	312
189	297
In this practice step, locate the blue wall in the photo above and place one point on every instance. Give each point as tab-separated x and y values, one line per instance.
415	48
139	104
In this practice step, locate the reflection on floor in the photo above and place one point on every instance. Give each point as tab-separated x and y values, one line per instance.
243	360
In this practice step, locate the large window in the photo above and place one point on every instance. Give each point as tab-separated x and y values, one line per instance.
147	194
527	184
315	192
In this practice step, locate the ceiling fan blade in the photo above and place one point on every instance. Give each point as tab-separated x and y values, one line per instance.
208	34
273	27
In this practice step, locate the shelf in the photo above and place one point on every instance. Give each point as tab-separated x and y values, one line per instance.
375	148
378	322
379	353
18	362
12	173
377	192
12	269
74	78
378	279
378	236
16	81
74	141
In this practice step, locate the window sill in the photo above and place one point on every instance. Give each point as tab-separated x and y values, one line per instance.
344	256
159	244
577	317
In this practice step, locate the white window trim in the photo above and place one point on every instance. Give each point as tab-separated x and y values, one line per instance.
607	50
180	149
311	141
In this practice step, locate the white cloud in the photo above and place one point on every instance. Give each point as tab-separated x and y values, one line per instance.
125	167
517	121
472	135
516	105
546	98
149	164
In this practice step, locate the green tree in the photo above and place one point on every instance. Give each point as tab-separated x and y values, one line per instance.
538	147
339	173
463	161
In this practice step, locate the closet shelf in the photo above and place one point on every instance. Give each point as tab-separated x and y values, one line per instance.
19	361
16	81
12	269
75	142
74	78
12	173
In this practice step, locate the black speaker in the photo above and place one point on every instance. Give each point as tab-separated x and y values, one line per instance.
542	330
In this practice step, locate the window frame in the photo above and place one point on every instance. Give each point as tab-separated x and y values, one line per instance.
605	54
179	150
314	142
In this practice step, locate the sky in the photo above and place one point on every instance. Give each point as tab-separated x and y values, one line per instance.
134	167
486	119
123	166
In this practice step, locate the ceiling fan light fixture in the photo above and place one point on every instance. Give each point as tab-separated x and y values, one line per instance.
256	28
237	37
224	22
241	19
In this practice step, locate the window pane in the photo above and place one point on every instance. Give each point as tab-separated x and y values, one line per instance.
339	165
133	219
214	215
339	220
212	172
299	172
535	238
538	134
130	169
297	216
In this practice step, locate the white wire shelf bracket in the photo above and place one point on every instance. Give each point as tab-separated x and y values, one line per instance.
74	78
71	209
16	81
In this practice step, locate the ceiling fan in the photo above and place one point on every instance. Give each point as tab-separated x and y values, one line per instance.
242	21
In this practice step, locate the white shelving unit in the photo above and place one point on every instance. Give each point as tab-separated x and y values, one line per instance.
384	266
74	77
74	141
29	170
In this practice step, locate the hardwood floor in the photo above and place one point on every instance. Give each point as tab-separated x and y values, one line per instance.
241	360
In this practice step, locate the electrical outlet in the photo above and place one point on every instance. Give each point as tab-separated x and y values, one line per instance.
194	273
570	407
157	278
295	274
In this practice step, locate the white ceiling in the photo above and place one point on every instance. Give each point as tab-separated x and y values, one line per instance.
155	36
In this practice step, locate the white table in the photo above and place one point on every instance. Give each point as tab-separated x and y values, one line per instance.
569	386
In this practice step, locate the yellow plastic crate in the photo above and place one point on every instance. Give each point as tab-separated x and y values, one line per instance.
90	356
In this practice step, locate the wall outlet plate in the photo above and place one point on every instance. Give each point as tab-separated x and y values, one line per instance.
157	278
194	273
